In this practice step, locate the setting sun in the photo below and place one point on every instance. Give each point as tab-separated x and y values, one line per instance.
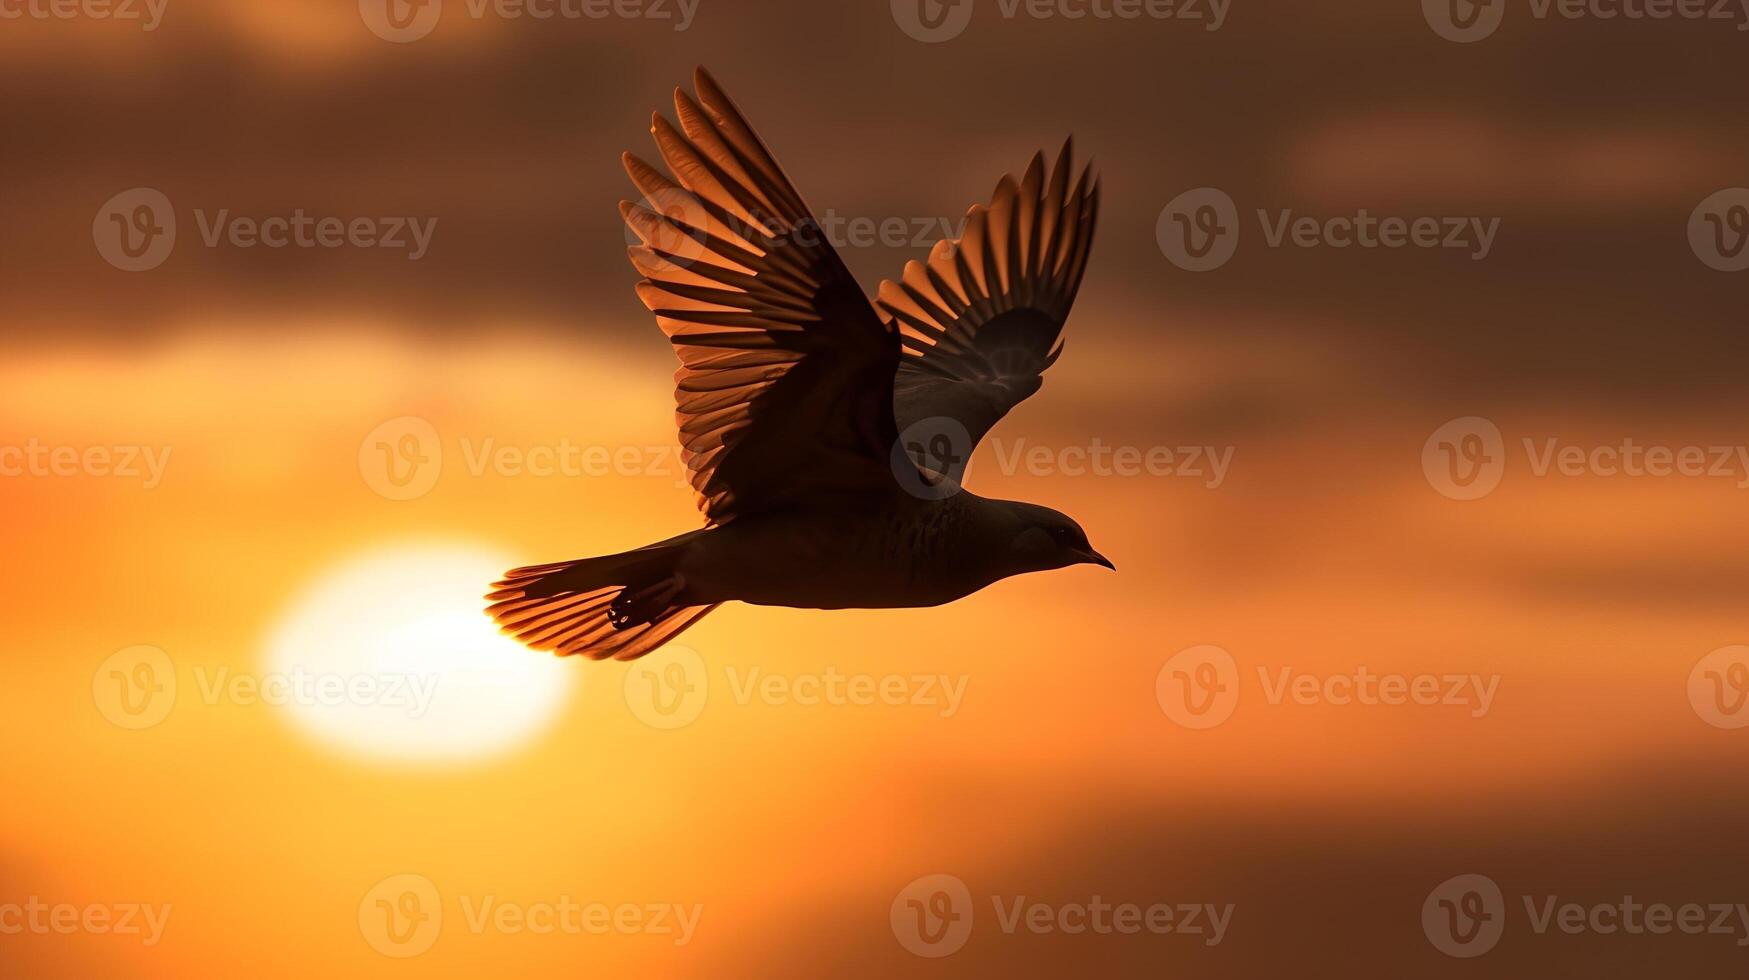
387	655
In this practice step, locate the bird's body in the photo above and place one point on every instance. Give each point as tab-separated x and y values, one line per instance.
895	553
823	435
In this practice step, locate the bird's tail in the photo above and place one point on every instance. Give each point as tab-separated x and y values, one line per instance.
618	606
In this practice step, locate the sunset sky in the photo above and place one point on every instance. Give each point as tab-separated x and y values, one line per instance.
201	485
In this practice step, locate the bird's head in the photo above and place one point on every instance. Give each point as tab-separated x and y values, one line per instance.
1045	539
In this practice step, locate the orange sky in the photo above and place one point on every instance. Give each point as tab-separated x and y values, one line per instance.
1034	753
1318	558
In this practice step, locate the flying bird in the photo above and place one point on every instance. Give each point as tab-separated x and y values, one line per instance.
821	432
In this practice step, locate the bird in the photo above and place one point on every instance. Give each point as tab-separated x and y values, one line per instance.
824	434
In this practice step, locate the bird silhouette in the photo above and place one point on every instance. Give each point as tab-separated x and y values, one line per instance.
824	435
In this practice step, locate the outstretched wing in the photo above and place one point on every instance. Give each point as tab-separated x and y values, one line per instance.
981	319
785	387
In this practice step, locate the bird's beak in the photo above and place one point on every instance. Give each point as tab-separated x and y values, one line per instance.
1092	557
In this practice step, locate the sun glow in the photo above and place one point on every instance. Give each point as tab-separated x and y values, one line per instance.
390	656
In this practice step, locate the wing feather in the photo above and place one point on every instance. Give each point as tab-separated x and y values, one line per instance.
785	387
981	320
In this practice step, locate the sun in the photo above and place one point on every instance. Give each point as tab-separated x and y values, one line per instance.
390	656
